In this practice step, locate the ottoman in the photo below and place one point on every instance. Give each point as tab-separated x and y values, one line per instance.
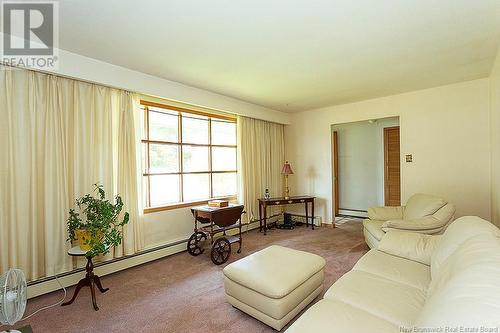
274	284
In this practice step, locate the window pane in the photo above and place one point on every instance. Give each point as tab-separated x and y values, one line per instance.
194	158
163	127
223	159
163	158
224	184
223	133
164	189
196	187
194	130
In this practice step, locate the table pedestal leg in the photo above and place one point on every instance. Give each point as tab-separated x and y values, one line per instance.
91	280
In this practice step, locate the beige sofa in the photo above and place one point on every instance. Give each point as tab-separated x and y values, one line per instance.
417	283
423	213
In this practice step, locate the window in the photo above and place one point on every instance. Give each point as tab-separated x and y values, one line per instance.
188	157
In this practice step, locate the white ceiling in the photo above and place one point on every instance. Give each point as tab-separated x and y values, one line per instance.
290	55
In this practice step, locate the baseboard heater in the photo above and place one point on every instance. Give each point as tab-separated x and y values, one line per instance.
48	284
349	212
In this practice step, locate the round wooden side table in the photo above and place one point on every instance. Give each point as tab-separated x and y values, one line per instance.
91	280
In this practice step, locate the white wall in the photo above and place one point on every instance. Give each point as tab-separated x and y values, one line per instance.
361	163
495	141
445	128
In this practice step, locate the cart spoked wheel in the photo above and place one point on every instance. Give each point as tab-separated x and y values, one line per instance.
221	250
195	243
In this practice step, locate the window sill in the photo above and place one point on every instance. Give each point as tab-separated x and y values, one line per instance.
150	210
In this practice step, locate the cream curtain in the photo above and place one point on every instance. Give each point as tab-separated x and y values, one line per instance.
58	137
261	154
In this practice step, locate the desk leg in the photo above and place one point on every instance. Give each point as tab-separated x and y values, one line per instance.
312	213
265	218
260	217
307	214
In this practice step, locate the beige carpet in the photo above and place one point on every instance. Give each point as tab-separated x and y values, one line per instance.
181	293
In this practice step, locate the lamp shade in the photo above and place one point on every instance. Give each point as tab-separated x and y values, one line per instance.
287	169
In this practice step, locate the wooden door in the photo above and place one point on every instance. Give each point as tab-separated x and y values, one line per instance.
335	162
392	172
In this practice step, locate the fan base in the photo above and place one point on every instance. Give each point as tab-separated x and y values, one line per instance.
24	329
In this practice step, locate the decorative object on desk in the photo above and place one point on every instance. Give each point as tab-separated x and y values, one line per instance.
12	296
98	228
218	203
267	195
286	170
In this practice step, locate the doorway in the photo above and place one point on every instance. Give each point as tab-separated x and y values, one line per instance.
365	166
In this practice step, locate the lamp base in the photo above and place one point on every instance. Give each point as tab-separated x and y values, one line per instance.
287	190
287	193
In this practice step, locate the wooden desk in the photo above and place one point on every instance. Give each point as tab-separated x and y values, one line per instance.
263	203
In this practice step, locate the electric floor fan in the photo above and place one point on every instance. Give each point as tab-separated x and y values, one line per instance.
12	297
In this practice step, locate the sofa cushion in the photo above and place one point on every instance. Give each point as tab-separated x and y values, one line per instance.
466	291
420	205
426	224
457	233
274	271
401	303
385	213
398	269
409	245
445	213
333	316
374	227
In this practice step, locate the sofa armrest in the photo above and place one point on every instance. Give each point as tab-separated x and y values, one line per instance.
385	213
409	245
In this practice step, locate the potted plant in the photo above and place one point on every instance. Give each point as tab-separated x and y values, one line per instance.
96	224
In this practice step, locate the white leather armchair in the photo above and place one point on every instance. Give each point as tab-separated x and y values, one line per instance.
423	213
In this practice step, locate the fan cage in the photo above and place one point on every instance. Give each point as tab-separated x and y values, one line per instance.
12	296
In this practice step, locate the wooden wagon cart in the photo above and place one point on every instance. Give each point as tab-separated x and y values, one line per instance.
212	224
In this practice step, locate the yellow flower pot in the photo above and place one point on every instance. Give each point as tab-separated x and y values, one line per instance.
83	237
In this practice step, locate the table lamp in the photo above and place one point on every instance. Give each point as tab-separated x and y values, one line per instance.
287	170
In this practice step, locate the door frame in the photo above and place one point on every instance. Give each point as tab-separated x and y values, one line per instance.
335	175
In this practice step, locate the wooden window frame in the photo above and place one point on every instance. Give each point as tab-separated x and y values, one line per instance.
180	144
